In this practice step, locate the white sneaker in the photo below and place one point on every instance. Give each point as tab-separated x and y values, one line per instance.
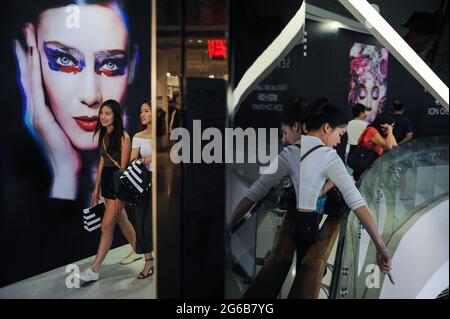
88	275
132	257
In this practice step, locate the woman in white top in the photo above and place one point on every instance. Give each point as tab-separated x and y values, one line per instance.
325	124
356	126
142	148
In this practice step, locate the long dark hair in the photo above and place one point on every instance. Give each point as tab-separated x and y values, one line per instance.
382	119
321	112
115	139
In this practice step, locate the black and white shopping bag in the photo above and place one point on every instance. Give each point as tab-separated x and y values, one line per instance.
134	180
92	217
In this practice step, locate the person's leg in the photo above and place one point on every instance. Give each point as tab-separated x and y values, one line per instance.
147	226
148	267
132	256
144	233
306	227
126	228
107	230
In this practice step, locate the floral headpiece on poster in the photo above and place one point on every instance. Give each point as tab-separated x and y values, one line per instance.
368	78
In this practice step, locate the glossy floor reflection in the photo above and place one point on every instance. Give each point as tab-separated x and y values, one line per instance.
116	282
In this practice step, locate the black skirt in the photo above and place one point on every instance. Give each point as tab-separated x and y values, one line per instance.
107	183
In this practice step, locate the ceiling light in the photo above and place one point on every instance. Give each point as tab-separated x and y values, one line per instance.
334	25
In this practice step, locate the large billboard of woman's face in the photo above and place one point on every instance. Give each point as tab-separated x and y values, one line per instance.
368	78
69	57
71	60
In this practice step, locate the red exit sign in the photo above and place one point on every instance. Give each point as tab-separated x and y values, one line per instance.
217	49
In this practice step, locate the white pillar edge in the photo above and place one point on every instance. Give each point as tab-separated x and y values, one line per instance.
285	41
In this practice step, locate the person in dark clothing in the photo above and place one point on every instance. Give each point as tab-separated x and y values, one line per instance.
141	147
403	131
114	147
176	116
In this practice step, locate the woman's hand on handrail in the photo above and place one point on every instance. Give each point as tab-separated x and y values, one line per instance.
384	261
383	258
242	207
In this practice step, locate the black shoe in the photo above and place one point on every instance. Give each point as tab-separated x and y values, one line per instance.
150	271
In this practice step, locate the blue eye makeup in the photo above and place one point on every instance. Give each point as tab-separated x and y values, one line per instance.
111	63
62	58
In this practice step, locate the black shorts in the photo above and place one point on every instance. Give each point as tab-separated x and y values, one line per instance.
306	233
107	183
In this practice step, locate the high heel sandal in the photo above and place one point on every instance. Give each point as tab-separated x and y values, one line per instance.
150	271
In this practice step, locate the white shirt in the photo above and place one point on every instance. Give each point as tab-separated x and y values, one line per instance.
354	130
145	148
309	176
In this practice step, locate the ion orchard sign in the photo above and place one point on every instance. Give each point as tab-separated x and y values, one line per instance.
437	109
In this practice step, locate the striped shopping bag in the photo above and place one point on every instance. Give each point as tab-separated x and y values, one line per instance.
92	217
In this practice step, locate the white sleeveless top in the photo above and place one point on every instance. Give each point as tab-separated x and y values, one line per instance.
145	148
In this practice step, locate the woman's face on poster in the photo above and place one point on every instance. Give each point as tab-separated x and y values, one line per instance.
368	70
371	94
82	67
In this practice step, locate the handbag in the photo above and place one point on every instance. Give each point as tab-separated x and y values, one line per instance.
131	183
361	158
335	204
136	179
288	198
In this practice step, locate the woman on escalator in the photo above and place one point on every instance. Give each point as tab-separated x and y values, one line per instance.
306	225
377	138
325	124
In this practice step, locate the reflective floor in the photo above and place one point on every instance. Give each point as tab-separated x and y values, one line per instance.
116	281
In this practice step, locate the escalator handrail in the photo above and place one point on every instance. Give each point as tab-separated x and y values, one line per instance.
241	221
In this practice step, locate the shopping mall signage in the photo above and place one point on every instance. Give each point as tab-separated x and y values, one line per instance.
217	49
437	110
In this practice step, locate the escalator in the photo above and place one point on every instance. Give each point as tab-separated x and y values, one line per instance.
407	194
